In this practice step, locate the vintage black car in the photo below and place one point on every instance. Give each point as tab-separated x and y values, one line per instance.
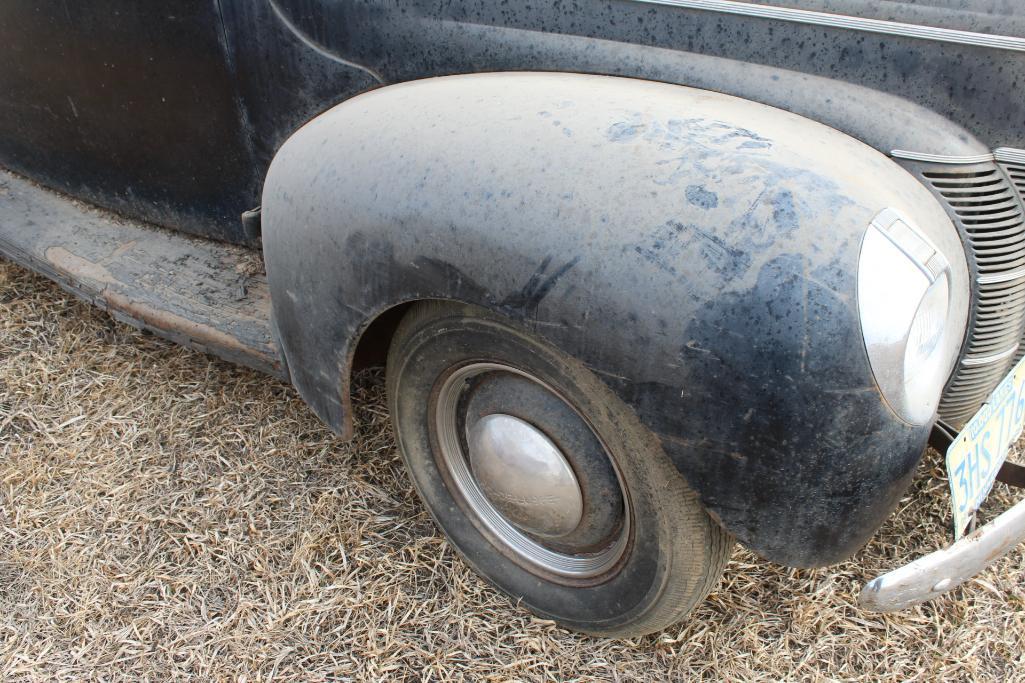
648	276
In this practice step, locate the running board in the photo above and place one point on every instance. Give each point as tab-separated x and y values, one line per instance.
203	294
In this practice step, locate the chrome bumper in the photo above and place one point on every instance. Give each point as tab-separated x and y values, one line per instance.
946	569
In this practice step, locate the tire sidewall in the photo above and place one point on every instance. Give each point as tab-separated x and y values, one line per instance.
445	342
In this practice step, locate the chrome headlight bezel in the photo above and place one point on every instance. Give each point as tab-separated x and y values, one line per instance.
904	303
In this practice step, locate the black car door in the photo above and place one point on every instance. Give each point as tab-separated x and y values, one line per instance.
131	105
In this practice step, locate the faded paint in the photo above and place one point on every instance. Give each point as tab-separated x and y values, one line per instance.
728	326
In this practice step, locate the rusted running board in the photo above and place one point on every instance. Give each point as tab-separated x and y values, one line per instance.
210	296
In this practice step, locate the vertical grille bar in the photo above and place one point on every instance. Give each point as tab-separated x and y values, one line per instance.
1016	174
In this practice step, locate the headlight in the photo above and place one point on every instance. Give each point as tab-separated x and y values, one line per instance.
904	304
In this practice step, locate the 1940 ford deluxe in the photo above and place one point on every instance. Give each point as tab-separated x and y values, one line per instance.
648	276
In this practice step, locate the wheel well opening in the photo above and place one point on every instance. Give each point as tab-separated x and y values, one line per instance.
372	348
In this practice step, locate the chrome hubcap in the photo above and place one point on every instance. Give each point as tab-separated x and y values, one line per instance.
524	475
516	483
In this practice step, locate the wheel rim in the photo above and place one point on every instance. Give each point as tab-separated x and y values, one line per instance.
515	482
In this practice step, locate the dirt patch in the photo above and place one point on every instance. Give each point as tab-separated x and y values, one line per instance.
164	515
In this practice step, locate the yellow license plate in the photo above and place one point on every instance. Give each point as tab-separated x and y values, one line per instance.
975	456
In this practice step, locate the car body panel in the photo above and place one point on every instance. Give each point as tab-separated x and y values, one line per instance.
172	115
699	255
153	110
128	105
792	64
695	250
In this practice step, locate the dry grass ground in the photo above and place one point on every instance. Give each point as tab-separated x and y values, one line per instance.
168	516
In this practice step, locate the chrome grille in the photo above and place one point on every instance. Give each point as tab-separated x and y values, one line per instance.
988	212
1016	172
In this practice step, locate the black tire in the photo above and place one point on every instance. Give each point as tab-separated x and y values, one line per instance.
672	553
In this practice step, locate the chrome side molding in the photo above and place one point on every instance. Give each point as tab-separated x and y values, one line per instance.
1009	155
941	158
1004	154
881	26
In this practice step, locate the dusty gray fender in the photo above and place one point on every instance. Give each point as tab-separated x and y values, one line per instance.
696	251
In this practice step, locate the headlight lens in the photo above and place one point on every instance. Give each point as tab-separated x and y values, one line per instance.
904	304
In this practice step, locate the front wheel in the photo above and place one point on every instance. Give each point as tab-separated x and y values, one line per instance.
543	480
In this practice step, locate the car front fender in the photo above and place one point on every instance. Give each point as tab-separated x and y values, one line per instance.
697	251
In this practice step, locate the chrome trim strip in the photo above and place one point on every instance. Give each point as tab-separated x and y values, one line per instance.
931	266
987	360
892	28
1010	155
1001	277
941	158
